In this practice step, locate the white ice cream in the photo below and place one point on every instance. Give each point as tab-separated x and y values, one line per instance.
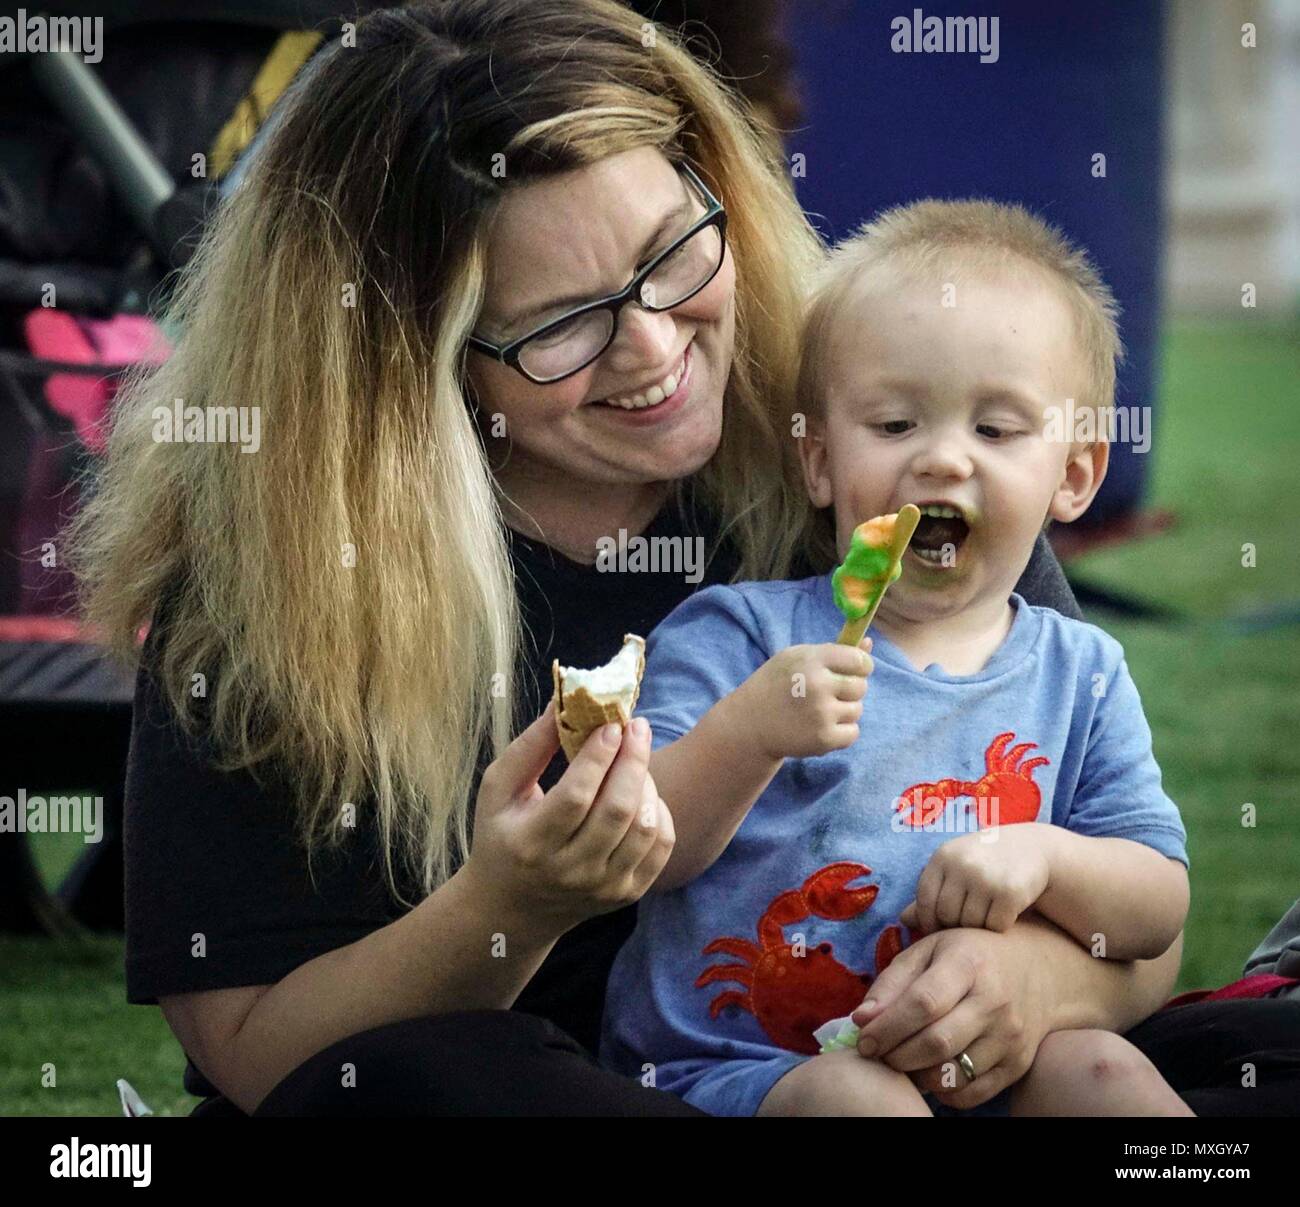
616	678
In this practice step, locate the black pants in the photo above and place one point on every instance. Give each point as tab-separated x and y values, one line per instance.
1207	1050
472	1062
496	1062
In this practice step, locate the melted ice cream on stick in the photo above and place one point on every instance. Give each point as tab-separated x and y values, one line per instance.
874	560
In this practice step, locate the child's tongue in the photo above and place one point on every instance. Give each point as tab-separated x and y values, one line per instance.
934	532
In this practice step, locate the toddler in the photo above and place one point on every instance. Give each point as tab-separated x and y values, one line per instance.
1000	761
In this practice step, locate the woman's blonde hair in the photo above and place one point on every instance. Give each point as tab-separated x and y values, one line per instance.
344	595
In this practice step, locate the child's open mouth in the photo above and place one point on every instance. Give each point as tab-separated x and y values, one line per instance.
940	534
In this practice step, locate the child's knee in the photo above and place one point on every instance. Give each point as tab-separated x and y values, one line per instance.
1101	1057
886	1084
886	1091
844	1082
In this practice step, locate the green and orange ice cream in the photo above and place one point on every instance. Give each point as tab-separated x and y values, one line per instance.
873	561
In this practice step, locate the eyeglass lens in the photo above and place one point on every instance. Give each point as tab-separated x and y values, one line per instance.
566	348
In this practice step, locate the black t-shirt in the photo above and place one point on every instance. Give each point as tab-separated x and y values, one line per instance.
217	890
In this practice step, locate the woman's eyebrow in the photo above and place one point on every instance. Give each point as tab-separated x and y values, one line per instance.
665	224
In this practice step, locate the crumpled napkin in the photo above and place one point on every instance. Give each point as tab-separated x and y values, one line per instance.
837	1033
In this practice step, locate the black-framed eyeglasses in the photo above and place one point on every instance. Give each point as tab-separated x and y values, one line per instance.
566	345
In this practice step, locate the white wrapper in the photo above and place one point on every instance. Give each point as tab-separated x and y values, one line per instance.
838	1033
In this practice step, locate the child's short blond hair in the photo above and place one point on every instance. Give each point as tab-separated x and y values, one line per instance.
949	240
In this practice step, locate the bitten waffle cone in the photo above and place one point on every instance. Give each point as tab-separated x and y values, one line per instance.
588	699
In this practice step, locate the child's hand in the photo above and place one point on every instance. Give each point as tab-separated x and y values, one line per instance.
984	880
806	699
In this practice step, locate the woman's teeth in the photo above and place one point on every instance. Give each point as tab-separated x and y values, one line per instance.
655	394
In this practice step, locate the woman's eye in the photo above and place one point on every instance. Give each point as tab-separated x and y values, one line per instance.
677	255
893	427
558	335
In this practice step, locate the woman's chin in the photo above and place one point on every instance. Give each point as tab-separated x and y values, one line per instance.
684	445
694	447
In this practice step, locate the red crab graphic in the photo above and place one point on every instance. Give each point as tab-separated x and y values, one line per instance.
1007	784
790	995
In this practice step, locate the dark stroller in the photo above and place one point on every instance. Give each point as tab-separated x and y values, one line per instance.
104	182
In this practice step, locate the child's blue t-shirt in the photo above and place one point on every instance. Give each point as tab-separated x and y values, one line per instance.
790	925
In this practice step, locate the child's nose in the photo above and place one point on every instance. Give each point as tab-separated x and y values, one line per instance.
943	457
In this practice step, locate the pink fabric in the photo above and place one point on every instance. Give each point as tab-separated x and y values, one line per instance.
54	629
42	628
123	339
1259	985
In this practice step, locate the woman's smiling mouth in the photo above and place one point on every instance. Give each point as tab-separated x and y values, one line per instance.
662	398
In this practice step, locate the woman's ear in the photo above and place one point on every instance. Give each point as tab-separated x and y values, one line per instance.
813	456
1085	471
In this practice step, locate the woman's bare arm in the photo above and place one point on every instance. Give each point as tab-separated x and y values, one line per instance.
1006	991
437	958
1087	992
541	863
1126	892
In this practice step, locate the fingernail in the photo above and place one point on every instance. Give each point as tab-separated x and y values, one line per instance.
641	727
867	1047
611	735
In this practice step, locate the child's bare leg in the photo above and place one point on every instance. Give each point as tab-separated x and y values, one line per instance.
843	1083
1093	1073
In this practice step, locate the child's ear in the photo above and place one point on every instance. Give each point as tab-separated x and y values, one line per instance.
813	456
1085	471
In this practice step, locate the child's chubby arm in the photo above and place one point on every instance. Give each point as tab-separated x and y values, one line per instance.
804	700
1125	891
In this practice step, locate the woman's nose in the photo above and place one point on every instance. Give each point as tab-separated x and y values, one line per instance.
644	342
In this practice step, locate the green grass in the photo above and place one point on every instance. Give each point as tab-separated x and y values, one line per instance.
64	1005
1221	703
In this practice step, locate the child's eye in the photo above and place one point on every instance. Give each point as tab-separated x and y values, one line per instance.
994	431
894	427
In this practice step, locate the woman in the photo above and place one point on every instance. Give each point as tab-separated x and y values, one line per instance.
344	619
